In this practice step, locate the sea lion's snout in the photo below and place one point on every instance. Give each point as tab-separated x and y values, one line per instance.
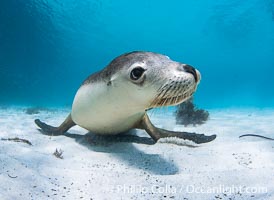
191	70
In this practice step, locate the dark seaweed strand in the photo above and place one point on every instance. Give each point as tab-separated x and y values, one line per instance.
16	139
254	135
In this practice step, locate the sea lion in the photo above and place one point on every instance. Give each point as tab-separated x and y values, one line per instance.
115	99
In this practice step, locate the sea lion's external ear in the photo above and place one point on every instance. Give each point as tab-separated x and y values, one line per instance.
157	133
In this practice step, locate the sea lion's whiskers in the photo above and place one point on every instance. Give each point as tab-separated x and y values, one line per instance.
162	106
161	103
174	100
168	89
179	86
169	101
177	99
165	102
161	94
167	93
161	89
156	99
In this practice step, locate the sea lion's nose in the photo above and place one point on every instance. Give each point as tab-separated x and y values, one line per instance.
193	71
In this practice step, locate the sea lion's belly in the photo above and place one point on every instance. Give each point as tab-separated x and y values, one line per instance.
102	111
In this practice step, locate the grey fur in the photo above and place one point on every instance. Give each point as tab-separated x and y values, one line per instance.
123	61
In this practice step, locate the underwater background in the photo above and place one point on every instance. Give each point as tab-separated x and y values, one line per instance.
48	47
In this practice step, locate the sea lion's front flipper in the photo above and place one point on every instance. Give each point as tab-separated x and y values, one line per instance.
157	133
54	131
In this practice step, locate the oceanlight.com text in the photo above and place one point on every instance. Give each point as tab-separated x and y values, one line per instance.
169	189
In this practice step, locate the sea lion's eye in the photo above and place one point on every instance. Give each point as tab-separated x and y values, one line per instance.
136	73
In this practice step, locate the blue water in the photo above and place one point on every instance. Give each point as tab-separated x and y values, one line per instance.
48	47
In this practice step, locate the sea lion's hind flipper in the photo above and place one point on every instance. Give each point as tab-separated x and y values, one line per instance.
157	133
194	137
54	131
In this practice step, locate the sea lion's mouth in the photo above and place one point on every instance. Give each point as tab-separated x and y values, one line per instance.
172	94
171	101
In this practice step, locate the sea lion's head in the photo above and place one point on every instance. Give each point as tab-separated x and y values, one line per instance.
151	80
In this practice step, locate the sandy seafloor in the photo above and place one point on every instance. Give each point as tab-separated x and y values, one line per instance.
131	168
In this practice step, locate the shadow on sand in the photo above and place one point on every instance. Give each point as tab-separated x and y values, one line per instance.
122	147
